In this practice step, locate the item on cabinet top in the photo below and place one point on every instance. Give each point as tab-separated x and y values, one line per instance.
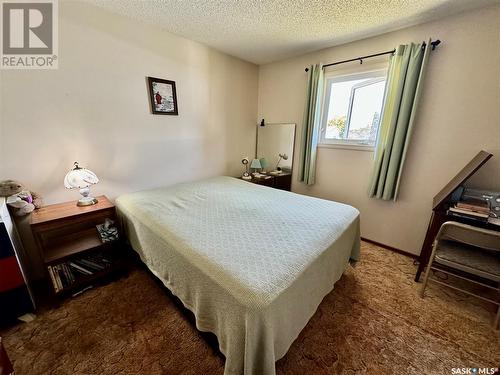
261	175
264	164
19	198
255	165
81	178
246	175
281	156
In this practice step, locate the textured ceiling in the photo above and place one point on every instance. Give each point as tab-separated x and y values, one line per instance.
262	31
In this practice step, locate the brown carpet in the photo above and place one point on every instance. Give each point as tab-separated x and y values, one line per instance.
373	322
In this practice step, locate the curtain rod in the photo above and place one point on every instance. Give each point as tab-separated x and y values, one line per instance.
361	58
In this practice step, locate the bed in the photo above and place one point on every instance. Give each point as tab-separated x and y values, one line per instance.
251	262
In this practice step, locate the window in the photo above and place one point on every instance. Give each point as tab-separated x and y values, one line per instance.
352	109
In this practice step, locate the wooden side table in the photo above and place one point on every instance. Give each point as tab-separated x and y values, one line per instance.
73	251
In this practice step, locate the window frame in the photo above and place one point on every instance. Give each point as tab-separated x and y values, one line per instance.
376	74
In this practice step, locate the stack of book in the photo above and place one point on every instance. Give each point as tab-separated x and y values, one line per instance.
471	210
63	275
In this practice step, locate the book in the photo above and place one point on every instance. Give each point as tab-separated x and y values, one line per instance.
57	277
62	276
99	259
67	275
53	279
80	268
467	217
473	207
76	271
71	275
90	264
470	213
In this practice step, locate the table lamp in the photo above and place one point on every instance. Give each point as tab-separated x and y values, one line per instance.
255	165
281	156
264	164
81	178
246	175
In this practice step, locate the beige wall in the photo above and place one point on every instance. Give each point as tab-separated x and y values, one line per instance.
458	116
95	109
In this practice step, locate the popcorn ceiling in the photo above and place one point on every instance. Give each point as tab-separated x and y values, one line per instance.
265	31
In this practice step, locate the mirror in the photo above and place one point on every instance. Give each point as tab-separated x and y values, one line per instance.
274	140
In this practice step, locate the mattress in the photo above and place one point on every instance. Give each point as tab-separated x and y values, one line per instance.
251	262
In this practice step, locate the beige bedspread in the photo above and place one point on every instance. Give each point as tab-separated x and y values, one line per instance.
251	262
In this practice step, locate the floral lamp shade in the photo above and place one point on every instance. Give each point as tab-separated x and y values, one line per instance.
81	178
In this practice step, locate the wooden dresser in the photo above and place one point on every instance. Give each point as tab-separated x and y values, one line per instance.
282	181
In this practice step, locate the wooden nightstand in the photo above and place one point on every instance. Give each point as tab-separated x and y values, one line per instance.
281	181
73	251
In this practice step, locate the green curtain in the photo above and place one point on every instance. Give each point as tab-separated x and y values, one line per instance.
402	92
311	125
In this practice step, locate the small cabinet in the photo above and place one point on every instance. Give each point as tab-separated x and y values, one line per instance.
77	244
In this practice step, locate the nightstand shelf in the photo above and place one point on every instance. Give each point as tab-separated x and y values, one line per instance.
71	244
82	281
73	252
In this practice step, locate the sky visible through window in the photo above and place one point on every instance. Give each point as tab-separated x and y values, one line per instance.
365	115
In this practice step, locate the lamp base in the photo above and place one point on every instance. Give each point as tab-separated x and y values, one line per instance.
86	201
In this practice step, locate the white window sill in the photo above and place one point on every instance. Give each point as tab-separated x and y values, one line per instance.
347	146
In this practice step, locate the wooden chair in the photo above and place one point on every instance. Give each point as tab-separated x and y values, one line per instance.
468	250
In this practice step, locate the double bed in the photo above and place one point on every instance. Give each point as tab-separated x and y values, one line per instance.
251	262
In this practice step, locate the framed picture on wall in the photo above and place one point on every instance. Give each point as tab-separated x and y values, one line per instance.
163	96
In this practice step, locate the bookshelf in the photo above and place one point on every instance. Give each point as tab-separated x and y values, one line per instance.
75	253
